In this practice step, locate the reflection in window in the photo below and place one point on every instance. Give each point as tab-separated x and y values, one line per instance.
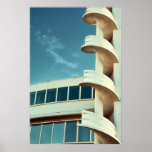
46	134
35	134
58	134
71	128
40	97
84	134
92	135
32	97
86	92
62	94
51	95
74	93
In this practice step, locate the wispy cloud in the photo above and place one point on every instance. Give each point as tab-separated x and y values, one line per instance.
52	44
76	54
60	59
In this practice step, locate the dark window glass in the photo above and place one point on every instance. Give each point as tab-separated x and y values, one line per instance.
58	134
51	95
32	97
92	135
74	93
62	94
84	134
86	92
35	134
71	128
93	93
40	97
46	134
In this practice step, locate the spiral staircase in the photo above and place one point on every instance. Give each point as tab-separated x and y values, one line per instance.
102	78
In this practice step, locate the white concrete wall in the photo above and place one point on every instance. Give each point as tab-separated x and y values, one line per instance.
56	84
61	108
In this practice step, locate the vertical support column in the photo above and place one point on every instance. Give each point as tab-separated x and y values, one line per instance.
117	70
117	118
99	32
99	69
104	30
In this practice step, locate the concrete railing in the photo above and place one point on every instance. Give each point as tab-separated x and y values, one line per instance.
93	44
92	78
93	14
100	125
104	87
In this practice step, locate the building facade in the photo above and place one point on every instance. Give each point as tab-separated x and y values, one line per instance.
84	109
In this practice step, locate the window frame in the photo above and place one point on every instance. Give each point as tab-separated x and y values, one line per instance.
55	95
68	94
78	94
65	123
34	98
44	97
58	101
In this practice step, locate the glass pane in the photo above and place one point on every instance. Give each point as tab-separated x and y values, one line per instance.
40	97
35	134
92	135
71	129
62	94
51	95
32	97
46	134
84	134
58	134
86	92
74	93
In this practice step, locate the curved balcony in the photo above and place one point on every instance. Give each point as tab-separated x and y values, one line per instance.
93	44
101	126
103	17
104	86
104	49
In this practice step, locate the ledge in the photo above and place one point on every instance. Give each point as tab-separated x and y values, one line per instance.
99	81
63	108
93	44
105	88
100	125
103	17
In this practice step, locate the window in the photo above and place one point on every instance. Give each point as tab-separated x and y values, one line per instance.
60	132
58	135
86	92
40	97
32	97
84	134
35	134
71	129
46	134
74	93
62	94
51	95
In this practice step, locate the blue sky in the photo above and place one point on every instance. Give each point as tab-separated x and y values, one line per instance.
56	37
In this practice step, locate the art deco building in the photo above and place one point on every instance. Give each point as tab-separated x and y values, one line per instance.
84	109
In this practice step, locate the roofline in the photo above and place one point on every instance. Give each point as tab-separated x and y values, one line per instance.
54	80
